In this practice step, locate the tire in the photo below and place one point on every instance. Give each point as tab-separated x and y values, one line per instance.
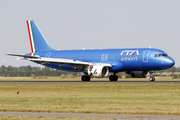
113	78
152	79
110	77
85	78
88	78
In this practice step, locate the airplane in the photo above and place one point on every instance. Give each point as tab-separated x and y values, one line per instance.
97	63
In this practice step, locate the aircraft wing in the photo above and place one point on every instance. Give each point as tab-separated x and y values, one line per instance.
63	62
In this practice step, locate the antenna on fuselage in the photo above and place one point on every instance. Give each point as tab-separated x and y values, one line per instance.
83	48
150	47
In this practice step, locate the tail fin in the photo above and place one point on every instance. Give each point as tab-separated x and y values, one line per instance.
37	41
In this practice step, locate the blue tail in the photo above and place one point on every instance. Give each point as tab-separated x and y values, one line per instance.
37	40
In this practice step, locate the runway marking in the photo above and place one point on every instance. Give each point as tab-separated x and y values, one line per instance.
85	115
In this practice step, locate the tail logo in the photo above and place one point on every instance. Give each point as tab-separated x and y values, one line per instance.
31	38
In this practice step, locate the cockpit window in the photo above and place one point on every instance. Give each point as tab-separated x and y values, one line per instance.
160	55
165	55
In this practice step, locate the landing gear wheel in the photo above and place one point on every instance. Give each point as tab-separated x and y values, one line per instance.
85	78
113	77
152	78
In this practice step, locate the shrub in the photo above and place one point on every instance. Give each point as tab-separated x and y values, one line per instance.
174	77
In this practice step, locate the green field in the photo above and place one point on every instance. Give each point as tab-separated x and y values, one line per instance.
44	118
154	99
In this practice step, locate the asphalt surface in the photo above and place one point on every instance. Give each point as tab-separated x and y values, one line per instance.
117	82
85	115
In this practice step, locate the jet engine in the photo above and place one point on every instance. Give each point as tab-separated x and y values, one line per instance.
98	71
138	74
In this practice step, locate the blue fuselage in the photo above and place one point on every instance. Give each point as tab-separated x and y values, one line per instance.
137	59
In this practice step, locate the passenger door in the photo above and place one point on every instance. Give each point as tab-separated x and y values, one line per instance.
146	55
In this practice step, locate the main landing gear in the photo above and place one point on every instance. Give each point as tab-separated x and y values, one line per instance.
85	78
113	77
152	78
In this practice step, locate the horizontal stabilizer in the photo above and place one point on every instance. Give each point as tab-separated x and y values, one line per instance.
23	56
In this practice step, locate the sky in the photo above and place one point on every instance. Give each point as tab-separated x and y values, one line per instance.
78	24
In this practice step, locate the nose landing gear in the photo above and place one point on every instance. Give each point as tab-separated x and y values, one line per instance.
152	78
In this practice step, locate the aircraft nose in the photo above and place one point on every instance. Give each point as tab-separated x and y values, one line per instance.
170	62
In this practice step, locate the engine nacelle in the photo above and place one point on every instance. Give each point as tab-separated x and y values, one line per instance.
139	74
98	71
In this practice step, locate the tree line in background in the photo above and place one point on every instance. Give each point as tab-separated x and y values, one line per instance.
26	71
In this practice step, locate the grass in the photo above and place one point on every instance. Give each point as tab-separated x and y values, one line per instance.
154	99
45	118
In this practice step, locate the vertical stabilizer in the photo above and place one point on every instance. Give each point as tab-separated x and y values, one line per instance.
37	40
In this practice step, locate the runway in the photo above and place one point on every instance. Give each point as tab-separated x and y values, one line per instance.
85	115
95	82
